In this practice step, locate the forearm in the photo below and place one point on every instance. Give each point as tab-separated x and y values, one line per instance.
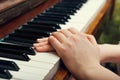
97	73
110	53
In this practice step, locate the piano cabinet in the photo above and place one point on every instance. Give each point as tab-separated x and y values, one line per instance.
94	28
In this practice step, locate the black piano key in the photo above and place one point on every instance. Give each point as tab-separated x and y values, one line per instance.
15	50
60	11
14	55
5	74
34	35
26	36
45	24
35	32
58	14
9	65
70	4
54	20
11	50
20	48
53	16
24	42
17	38
37	27
60	21
17	42
70	10
74	8
74	1
64	8
45	21
84	1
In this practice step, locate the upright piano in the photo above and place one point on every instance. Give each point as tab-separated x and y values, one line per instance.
18	59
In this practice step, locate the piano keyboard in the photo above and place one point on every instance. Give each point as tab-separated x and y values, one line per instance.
19	61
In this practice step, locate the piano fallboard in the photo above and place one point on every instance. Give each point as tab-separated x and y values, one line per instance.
10	9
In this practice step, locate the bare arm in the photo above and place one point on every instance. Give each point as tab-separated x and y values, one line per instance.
97	73
110	53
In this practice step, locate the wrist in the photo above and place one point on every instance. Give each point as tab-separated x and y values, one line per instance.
103	53
88	72
109	53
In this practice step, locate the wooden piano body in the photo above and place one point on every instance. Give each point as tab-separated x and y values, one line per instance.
13	8
94	28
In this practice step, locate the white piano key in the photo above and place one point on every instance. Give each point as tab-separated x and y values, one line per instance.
30	71
43	74
31	63
25	76
85	15
77	26
48	57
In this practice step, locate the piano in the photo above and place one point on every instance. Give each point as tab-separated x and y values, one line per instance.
19	61
10	9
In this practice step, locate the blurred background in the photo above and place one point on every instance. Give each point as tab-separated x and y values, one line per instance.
111	33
